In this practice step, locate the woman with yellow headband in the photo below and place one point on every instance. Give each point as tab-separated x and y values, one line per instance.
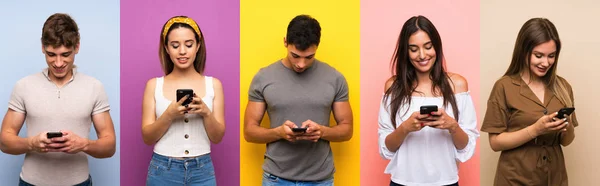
182	130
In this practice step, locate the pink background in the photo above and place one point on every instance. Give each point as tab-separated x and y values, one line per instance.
381	22
141	23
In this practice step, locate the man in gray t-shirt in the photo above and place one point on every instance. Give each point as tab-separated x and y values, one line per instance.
58	105
299	93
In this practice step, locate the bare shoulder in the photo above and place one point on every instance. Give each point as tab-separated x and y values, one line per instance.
459	83
389	83
217	85
151	83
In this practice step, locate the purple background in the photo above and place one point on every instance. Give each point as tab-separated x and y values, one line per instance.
141	23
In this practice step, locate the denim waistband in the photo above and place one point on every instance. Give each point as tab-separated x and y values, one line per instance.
188	162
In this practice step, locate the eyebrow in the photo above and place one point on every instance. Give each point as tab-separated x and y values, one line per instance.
538	52
414	45
303	56
67	52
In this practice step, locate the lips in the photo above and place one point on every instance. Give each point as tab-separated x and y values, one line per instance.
423	62
542	70
59	70
182	60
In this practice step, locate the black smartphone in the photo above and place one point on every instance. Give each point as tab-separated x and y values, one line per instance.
565	111
182	92
50	135
298	129
427	109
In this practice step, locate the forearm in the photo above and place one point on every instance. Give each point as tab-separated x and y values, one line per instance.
214	128
151	133
254	133
510	140
339	133
104	147
459	138
395	139
568	136
15	145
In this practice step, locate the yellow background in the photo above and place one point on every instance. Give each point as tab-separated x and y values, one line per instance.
263	26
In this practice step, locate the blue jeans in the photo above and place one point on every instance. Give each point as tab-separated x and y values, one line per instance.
272	180
198	171
87	182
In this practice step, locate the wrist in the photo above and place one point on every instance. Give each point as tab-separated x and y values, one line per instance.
453	129
29	144
532	132
280	132
86	144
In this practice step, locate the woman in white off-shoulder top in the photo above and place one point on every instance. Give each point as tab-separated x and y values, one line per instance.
425	149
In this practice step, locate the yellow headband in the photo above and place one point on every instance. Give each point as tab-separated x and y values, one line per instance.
184	20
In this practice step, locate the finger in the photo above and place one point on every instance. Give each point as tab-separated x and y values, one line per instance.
290	138
554	124
437	113
65	149
55	145
304	124
422	116
290	124
58	140
553	115
180	102
196	100
559	127
433	123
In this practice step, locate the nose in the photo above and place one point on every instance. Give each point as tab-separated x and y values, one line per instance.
546	61
58	61
182	50
301	63
421	53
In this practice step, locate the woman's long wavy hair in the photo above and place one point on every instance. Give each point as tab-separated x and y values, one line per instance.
405	75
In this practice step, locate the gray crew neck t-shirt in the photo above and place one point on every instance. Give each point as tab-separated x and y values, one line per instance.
50	108
298	97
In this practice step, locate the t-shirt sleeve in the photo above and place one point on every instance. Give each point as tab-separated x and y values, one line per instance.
101	104
255	93
496	115
341	86
16	102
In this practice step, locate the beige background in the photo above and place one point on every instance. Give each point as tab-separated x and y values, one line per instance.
579	30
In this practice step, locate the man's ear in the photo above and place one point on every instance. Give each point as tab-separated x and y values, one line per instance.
76	48
285	42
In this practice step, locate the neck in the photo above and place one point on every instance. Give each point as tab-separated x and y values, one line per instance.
184	73
60	81
423	78
286	62
529	79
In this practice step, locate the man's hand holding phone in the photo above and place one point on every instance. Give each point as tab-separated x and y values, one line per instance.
313	131
285	131
39	143
69	142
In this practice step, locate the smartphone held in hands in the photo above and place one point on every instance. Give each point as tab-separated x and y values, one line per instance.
428	109
183	92
51	135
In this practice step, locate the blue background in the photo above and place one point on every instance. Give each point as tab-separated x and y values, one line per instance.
21	55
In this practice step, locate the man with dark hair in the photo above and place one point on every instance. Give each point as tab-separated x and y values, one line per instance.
299	93
59	105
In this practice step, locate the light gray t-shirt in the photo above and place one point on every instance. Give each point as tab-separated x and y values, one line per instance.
49	108
299	97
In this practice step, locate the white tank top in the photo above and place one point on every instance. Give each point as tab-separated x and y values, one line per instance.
186	137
